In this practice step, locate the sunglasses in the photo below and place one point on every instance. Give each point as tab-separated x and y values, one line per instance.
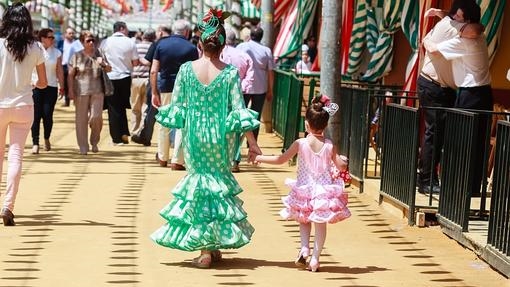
90	40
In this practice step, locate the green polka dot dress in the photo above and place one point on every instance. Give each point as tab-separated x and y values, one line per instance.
205	213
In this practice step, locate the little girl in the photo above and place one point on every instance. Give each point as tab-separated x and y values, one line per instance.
315	196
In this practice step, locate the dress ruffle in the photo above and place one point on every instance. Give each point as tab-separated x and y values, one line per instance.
171	116
205	214
242	120
315	203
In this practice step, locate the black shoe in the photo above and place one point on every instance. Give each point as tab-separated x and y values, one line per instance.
425	189
7	217
138	140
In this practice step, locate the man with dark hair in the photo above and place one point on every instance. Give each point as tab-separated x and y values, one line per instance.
469	57
262	87
436	88
122	55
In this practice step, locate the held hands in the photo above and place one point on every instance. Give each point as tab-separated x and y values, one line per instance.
253	151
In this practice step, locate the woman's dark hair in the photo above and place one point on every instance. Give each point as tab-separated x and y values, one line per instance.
18	31
44	32
215	42
316	116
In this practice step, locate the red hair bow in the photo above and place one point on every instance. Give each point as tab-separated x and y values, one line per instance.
325	100
212	12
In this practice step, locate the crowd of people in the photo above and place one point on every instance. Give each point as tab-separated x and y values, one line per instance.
206	91
206	87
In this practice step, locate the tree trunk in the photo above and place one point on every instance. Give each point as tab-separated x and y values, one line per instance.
329	46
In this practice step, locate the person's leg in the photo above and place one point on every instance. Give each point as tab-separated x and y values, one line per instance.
304	232
164	133
117	104
81	104
4	124
50	99
177	154
96	119
137	99
479	98
150	118
144	134
318	244
66	87
21	120
257	104
429	95
38	97
125	95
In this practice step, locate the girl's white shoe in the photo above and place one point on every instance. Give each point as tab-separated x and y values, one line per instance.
302	256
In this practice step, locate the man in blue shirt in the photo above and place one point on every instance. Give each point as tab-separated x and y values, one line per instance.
169	55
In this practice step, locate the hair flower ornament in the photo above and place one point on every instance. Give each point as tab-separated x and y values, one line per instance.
329	107
210	22
214	12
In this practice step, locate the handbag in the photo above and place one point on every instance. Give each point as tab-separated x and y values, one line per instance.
106	82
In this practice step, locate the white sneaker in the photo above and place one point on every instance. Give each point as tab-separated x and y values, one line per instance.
35	149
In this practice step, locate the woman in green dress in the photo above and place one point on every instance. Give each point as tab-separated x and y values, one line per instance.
207	104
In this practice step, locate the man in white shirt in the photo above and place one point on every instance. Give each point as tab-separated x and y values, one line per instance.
436	88
470	68
121	53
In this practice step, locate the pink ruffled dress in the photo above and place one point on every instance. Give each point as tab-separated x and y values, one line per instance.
315	196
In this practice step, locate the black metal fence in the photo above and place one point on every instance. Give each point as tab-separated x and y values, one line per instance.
499	219
288	91
458	168
399	159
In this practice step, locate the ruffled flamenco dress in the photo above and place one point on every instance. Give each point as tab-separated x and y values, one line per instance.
206	212
315	196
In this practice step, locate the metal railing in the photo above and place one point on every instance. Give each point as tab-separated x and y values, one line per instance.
399	160
499	219
288	91
457	169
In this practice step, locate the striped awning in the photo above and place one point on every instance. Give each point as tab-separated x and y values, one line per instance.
492	16
249	10
296	25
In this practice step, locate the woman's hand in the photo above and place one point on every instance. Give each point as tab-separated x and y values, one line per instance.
253	151
104	65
